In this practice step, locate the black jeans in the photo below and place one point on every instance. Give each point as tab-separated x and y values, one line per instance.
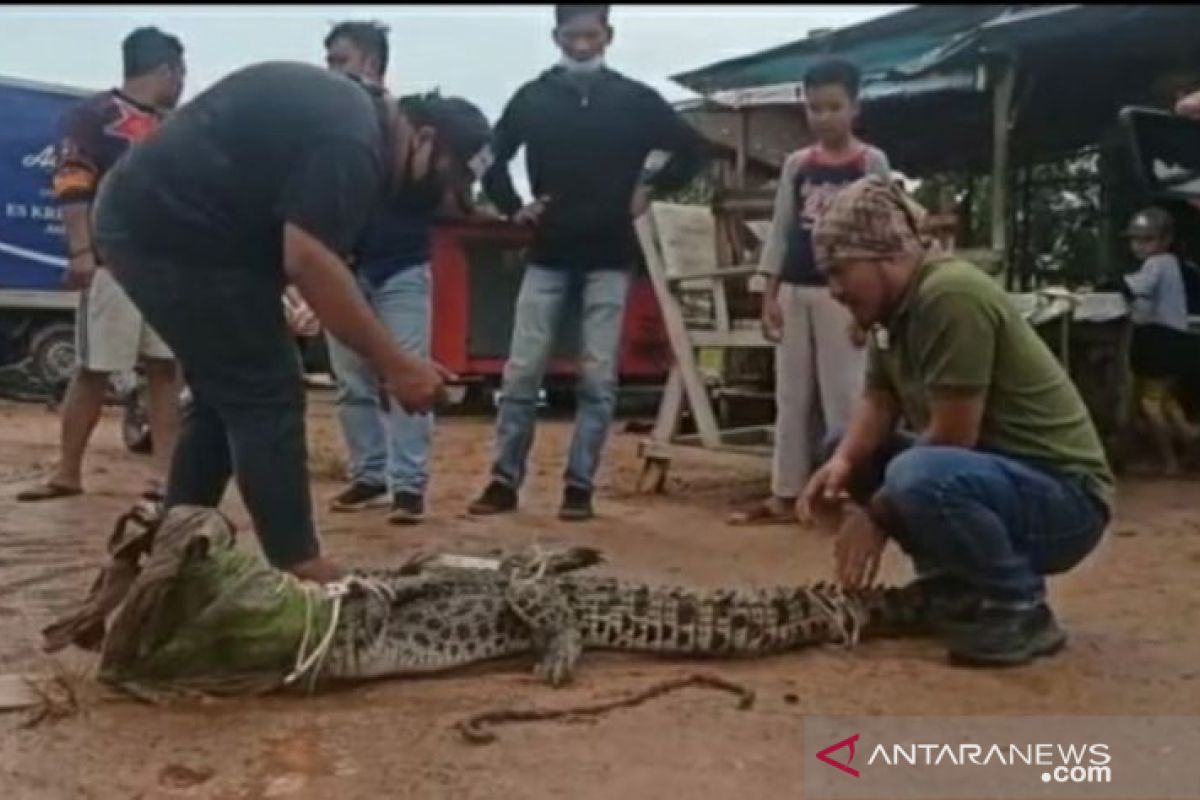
227	329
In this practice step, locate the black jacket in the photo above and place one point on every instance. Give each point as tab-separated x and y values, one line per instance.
586	142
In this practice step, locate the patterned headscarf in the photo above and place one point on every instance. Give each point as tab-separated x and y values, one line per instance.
869	219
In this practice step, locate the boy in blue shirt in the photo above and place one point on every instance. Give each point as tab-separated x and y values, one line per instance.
1161	343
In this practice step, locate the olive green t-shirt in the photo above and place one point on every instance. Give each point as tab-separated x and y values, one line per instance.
957	330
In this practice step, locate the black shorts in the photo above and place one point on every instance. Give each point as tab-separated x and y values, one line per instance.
1161	352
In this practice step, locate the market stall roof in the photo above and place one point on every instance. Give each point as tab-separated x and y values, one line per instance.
878	46
927	75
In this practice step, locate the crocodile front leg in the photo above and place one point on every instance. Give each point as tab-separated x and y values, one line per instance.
556	640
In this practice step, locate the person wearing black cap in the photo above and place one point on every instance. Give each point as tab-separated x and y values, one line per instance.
589	133
266	178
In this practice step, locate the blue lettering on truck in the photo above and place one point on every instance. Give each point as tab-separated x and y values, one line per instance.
32	245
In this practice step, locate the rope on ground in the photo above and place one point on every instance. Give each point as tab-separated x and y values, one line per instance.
473	731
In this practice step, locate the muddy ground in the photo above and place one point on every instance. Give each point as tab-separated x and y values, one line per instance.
1130	610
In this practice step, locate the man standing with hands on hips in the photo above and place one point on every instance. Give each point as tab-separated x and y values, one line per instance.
588	132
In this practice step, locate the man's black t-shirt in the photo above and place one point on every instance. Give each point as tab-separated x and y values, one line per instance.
272	143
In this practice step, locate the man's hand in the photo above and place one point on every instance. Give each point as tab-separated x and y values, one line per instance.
530	214
826	489
772	318
640	203
80	271
300	317
1189	106
417	385
858	551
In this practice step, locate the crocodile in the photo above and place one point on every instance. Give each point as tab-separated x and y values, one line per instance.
432	614
425	618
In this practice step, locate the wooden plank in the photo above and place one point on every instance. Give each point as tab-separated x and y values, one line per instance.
734	458
670	408
677	333
736	337
721	307
751	436
747	205
743	148
686	236
724	273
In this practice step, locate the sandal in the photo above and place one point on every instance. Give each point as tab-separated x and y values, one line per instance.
764	513
48	491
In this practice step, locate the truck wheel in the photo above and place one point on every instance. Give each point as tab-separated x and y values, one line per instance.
52	354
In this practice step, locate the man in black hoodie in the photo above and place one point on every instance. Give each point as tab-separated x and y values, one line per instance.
588	134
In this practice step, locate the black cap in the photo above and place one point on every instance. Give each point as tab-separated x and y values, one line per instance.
460	125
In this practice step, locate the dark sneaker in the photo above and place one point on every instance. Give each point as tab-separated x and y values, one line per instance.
407	509
496	499
359	497
576	505
1004	637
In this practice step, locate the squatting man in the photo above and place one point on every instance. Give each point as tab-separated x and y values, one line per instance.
1005	480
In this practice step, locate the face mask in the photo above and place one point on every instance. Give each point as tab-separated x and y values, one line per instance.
592	65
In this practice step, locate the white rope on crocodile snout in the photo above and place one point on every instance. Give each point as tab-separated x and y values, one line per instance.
847	625
310	663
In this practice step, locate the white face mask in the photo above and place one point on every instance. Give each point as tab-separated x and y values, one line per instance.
593	64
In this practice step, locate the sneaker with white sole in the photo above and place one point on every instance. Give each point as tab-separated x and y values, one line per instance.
407	509
361	496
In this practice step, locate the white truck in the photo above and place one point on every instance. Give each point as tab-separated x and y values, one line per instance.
36	312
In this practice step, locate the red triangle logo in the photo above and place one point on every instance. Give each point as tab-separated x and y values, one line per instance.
833	748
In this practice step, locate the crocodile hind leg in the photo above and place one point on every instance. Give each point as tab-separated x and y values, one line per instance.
556	639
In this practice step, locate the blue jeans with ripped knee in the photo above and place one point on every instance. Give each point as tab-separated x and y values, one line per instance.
998	523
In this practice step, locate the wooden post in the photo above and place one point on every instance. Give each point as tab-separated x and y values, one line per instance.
1002	95
966	227
743	146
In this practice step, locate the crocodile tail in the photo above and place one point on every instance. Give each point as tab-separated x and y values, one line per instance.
889	610
724	622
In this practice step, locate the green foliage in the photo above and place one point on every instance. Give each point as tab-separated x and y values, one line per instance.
1056	218
1057	221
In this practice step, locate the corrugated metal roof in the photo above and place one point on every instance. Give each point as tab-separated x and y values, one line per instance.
963	80
1077	66
878	46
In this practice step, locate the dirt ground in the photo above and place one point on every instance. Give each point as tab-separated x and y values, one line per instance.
1130	610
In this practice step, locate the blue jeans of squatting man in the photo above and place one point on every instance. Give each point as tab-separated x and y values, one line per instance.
997	523
543	296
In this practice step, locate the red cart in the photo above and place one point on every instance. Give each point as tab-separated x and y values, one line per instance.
477	270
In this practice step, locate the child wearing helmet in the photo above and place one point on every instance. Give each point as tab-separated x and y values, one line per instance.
1161	342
